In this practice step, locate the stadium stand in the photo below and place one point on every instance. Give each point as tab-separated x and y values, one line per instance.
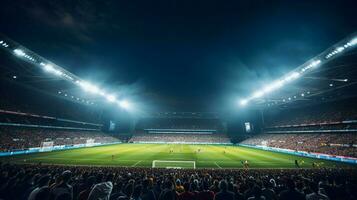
29	119
339	113
328	128
203	128
333	144
180	122
26	123
181	138
17	138
64	108
65	182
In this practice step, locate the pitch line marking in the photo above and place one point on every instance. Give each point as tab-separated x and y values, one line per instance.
217	165
136	163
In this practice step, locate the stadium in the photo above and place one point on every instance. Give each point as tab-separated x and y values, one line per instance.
180	104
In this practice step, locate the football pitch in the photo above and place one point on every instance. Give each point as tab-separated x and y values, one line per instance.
171	156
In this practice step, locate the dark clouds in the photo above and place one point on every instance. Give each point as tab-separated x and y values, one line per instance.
179	55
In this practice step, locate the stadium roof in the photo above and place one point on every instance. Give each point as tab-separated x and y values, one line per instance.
42	74
329	76
179	57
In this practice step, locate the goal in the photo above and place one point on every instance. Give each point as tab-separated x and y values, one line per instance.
174	164
46	146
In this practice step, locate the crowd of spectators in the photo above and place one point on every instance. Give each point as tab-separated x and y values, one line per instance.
33	119
180	123
16	97
13	139
214	138
328	112
333	144
37	182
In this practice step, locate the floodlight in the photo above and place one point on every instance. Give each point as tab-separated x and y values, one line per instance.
295	75
58	72
111	98
19	52
273	86
49	68
89	87
14	77
124	104
1	42
102	93
258	94
315	63
292	76
353	41
243	102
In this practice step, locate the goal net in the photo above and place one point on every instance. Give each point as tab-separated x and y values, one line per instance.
174	164
46	146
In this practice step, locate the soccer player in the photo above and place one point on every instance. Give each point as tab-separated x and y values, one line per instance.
297	164
246	163
112	157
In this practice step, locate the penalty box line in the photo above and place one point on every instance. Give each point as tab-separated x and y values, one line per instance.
173	161
217	165
136	163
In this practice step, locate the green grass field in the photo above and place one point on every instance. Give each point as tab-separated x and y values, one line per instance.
142	155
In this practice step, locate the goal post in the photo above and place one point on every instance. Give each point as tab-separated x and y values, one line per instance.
174	164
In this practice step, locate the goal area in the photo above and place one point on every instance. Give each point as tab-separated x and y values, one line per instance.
174	164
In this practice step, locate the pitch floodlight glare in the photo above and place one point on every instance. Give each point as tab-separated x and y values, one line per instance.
89	87
19	52
49	68
273	86
111	98
124	104
258	94
59	73
243	102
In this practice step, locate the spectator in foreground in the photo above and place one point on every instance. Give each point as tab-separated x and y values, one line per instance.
205	194
41	190
291	193
315	195
187	194
101	191
224	194
168	192
83	195
63	188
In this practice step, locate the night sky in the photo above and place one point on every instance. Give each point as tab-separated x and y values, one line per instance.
179	55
